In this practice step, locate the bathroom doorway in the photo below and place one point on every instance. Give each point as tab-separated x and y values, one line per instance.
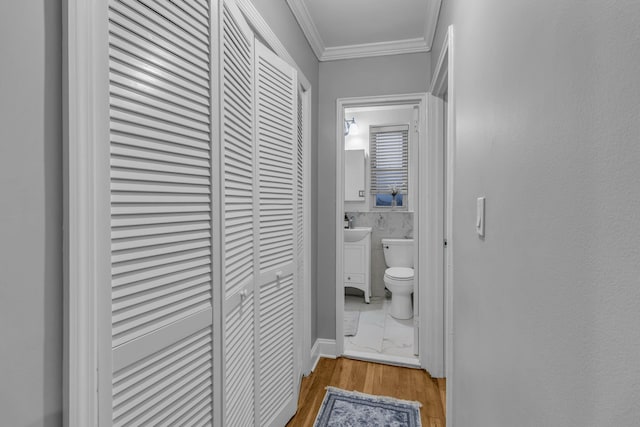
381	145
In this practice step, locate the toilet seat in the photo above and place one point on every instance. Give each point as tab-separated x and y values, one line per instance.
399	273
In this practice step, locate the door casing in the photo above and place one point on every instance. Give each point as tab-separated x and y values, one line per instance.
442	84
417	199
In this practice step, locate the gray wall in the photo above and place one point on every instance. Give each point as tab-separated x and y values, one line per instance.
283	23
546	317
30	214
383	75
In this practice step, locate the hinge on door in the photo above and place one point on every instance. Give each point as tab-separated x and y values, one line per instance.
445	243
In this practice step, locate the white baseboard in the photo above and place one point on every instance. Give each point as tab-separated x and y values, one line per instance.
321	348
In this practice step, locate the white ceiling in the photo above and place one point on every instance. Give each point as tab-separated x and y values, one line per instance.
341	29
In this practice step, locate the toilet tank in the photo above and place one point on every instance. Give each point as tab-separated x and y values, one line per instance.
398	252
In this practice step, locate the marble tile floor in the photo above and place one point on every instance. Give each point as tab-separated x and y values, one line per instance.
379	334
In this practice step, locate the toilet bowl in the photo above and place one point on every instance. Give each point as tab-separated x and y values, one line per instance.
399	280
398	277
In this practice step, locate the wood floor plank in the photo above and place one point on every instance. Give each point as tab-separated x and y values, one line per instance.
442	387
371	378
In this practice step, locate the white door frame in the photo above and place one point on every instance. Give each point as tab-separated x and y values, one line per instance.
87	253
87	193
305	306
416	199
443	83
433	244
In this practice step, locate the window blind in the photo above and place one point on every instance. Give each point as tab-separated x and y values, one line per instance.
389	152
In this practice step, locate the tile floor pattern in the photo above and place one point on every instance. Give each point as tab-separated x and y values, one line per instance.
378	332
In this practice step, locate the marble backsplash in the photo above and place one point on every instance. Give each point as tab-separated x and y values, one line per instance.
397	225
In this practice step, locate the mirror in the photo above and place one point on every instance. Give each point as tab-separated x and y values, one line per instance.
354	176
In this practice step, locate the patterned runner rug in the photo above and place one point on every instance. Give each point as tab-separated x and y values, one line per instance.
342	408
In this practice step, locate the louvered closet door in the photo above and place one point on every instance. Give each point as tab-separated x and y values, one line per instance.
161	235
238	212
276	113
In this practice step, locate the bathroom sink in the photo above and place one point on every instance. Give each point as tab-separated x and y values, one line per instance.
356	234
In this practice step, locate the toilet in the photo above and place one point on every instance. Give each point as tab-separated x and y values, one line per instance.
398	277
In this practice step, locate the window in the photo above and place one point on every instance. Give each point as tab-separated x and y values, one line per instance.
389	151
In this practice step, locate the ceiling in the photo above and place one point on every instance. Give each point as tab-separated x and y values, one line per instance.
342	29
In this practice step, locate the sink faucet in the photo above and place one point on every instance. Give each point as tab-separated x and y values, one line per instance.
351	221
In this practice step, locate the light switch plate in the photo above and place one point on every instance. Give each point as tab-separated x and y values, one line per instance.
480	216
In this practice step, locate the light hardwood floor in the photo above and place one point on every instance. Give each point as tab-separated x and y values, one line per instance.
372	378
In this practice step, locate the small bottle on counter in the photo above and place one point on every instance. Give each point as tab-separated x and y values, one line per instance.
346	221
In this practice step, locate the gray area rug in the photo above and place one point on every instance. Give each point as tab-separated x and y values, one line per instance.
351	320
350	408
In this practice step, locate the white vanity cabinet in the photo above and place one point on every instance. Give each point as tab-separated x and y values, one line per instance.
357	265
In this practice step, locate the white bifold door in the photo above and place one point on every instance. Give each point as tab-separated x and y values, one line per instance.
259	145
239	209
276	115
162	348
206	211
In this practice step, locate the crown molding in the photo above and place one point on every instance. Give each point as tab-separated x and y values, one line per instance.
433	13
256	20
396	47
302	15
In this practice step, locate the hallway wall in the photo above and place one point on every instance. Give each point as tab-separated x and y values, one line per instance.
546	311
31	214
384	75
